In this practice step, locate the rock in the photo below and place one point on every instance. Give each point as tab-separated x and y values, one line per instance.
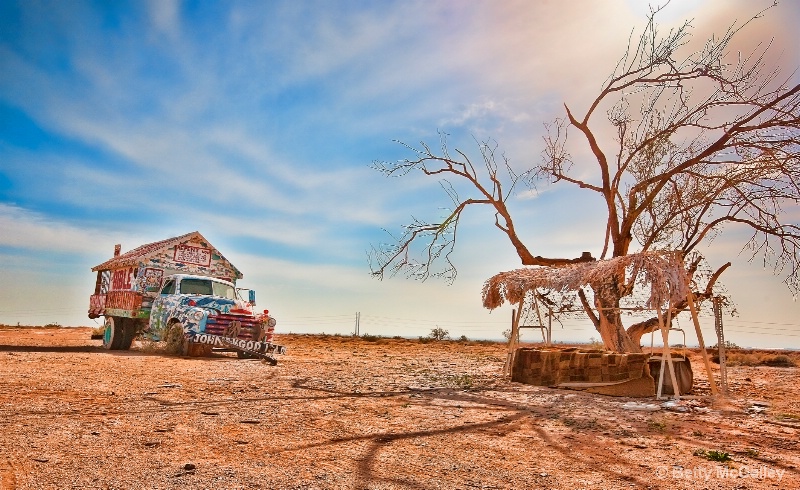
646	407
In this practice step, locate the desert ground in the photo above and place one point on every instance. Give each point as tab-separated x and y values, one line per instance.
343	412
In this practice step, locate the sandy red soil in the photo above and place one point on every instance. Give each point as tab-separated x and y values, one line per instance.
349	413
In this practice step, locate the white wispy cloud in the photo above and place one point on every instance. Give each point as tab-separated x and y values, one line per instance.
36	231
165	16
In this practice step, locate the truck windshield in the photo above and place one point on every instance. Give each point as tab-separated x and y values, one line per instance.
207	287
223	290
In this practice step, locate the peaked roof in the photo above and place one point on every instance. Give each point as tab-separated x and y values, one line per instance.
133	257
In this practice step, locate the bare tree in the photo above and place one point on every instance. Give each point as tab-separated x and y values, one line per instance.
688	145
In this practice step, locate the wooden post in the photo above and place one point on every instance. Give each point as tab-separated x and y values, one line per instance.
666	356
549	325
512	340
693	308
539	317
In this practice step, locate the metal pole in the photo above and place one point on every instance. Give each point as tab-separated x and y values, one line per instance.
723	368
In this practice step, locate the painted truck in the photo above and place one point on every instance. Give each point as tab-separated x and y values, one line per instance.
182	291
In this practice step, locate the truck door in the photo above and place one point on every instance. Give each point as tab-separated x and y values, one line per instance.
160	310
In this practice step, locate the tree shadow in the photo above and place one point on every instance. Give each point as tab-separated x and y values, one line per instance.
518	415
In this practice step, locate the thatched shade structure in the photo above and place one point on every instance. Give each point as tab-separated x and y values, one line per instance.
663	272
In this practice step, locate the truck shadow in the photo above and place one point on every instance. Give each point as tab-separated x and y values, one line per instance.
96	349
51	348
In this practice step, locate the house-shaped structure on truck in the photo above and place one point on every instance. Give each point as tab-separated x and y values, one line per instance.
127	282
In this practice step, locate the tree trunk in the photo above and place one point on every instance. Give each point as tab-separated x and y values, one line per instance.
606	300
637	330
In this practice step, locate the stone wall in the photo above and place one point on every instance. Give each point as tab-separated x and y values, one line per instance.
627	373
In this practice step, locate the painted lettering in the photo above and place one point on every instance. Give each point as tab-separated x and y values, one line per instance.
121	279
192	255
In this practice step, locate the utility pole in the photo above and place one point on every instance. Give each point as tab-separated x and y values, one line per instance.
723	367
358	324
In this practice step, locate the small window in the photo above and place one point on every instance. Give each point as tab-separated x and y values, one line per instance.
169	287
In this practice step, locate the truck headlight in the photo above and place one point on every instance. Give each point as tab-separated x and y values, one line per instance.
271	322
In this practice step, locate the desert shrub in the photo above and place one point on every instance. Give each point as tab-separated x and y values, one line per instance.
779	360
728	345
596	344
53	325
370	338
460	381
425	340
713	455
740	359
463	338
656	425
439	333
746	358
463	381
581	423
485	342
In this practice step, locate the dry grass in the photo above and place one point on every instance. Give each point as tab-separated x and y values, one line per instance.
755	357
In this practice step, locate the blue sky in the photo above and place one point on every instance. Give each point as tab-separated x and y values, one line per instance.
255	123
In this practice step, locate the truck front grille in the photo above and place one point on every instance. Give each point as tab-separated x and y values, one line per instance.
223	324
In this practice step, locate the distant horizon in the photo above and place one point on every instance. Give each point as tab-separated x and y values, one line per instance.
456	338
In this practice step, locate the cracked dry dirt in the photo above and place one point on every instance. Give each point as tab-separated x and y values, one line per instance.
347	413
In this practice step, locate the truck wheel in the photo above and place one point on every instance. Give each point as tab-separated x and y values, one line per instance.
128	333
112	336
178	344
175	339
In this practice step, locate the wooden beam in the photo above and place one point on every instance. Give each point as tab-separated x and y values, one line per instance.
666	357
693	308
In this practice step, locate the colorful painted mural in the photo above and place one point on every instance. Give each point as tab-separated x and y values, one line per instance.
143	268
183	282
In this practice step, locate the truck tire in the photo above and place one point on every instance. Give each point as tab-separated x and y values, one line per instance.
128	332
113	333
177	343
175	339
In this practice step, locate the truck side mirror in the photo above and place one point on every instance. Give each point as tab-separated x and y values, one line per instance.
252	297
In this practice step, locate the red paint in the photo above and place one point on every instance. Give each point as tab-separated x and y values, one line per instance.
121	279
